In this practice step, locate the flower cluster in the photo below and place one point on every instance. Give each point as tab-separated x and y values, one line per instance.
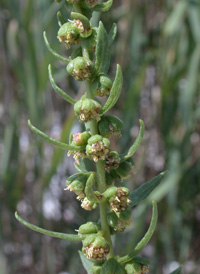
96	247
94	184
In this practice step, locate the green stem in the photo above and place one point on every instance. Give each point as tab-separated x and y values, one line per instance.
101	179
103	206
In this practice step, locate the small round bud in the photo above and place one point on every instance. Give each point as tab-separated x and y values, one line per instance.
102	86
83	30
87	110
81	138
88	228
68	34
96	247
80	68
77	186
89	3
87	205
117	223
112	161
120	201
97	148
136	268
110	125
77	154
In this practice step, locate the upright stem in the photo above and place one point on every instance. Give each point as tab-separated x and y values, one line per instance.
103	206
101	178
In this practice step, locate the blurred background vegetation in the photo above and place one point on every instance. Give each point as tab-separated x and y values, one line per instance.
158	47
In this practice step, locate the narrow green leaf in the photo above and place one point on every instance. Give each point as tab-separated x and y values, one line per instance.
115	90
112	34
86	263
101	48
58	90
89	192
65	60
111	37
69	237
145	239
144	190
104	6
53	141
60	18
149	232
177	271
137	142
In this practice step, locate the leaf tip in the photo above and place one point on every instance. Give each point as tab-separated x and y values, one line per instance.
29	123
154	203
164	173
141	122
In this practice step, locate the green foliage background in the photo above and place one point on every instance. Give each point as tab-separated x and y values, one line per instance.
158	47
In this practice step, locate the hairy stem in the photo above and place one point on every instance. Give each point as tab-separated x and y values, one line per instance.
103	207
101	179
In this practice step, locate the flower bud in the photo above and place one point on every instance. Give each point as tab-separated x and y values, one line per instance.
68	34
89	3
97	148
77	154
87	110
136	268
102	85
117	223
120	201
96	247
80	68
77	185
87	205
81	138
88	228
110	125
112	161
82	23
